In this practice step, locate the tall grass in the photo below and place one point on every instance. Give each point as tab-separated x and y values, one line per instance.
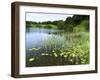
63	49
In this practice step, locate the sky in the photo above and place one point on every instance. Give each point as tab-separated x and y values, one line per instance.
42	17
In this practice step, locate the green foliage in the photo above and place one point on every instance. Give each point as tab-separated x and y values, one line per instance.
70	56
73	50
77	19
83	26
50	26
68	27
75	23
69	20
60	24
79	29
70	47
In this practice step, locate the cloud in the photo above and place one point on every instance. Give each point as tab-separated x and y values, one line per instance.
41	17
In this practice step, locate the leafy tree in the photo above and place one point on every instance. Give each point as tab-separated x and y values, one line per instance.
78	18
69	24
60	24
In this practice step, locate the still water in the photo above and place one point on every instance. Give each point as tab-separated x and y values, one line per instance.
35	37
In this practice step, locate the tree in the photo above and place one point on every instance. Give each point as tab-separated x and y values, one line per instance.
69	24
60	24
78	18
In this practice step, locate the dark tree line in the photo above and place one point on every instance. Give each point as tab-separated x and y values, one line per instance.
75	22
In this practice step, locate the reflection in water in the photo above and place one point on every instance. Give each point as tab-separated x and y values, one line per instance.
35	37
42	30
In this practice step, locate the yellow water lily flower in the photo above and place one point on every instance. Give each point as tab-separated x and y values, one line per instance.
65	56
71	60
61	54
32	49
44	54
53	51
31	59
55	54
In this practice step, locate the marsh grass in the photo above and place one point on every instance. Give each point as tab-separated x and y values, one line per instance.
63	49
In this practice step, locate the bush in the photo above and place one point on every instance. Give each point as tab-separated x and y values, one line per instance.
83	26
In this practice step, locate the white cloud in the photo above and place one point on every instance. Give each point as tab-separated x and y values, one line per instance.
41	17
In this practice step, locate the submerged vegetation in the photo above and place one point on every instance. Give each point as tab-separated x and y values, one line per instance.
68	47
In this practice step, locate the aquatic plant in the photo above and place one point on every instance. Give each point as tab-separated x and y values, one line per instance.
69	49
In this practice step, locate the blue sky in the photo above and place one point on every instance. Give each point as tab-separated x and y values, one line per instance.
41	17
